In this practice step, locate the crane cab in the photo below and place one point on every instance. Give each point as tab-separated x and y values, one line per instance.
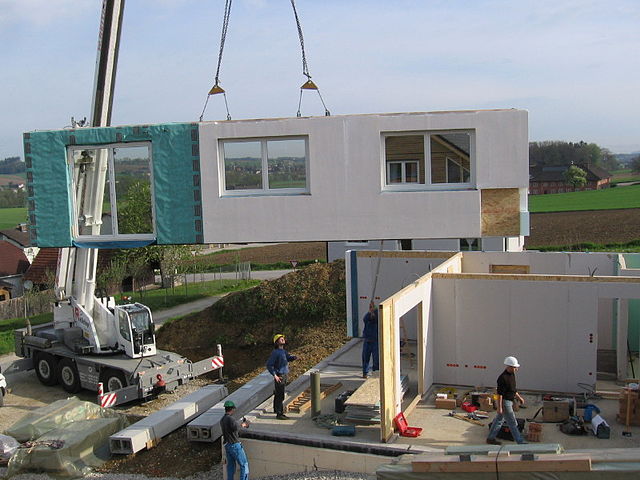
136	330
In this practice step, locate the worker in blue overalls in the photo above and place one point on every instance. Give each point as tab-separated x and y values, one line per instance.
370	345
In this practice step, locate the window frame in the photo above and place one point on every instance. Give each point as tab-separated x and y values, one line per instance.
264	154
403	171
428	185
112	194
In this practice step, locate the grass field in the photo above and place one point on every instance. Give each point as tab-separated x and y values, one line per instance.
11	217
608	199
154	299
625	175
162	298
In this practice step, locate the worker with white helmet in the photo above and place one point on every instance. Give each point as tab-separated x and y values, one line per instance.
507	394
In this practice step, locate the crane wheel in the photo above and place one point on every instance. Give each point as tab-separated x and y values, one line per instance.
45	365
68	375
113	380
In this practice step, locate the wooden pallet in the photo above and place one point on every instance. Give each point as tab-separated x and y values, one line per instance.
302	402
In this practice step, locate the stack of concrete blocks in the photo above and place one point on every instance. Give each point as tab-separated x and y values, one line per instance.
147	432
206	428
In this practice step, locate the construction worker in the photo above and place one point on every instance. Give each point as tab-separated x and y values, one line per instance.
507	394
370	345
232	446
278	366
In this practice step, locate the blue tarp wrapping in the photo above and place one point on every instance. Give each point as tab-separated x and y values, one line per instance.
176	180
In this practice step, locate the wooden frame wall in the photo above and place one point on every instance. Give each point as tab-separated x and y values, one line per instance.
388	331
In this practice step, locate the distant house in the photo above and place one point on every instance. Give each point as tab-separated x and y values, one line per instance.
19	236
550	179
43	268
13	264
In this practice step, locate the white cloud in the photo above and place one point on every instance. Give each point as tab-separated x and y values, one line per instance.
41	13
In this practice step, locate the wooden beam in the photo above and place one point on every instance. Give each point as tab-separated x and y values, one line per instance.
504	463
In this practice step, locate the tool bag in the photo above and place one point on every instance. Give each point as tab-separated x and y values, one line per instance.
505	432
573	426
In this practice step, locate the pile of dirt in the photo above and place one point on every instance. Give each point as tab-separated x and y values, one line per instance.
308	306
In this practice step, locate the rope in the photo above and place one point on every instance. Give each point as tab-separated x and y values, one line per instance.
305	66
375	280
223	37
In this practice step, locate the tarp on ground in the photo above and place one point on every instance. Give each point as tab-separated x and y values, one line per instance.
69	451
59	414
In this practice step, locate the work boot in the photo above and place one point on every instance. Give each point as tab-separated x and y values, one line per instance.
493	441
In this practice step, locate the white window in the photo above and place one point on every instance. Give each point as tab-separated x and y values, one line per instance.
405	171
429	160
112	192
264	166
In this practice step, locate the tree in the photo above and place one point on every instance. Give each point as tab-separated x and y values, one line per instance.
635	164
575	176
609	161
135	215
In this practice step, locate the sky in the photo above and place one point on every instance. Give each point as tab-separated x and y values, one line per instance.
573	64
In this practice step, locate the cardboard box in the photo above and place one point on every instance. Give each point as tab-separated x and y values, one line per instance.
486	403
446	403
556	410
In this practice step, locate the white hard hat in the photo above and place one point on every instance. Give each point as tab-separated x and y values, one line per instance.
511	362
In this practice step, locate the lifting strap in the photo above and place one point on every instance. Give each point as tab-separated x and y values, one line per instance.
309	84
375	279
216	89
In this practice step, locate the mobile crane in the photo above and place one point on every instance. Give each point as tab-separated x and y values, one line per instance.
93	343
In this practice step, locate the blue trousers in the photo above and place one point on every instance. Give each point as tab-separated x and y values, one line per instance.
370	349
235	454
508	416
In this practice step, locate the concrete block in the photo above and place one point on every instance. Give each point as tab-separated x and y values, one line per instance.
148	431
206	428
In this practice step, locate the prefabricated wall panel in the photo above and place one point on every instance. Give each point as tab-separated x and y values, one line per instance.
394	270
549	325
345	196
544	263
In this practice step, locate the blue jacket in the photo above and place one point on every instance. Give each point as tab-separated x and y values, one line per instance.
370	331
278	363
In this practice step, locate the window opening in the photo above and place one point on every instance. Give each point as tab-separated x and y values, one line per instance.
265	165
112	191
428	160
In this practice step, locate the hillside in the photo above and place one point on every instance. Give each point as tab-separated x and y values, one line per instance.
308	306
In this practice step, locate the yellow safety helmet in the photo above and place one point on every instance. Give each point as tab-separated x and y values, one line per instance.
277	336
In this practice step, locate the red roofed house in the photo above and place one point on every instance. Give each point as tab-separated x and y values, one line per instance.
13	264
550	179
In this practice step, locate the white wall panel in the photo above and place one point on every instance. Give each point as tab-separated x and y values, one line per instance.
444	328
346	174
582	341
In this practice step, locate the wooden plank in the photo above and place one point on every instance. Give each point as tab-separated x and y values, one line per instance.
544	463
302	402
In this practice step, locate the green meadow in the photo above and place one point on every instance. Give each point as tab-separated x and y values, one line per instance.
607	199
